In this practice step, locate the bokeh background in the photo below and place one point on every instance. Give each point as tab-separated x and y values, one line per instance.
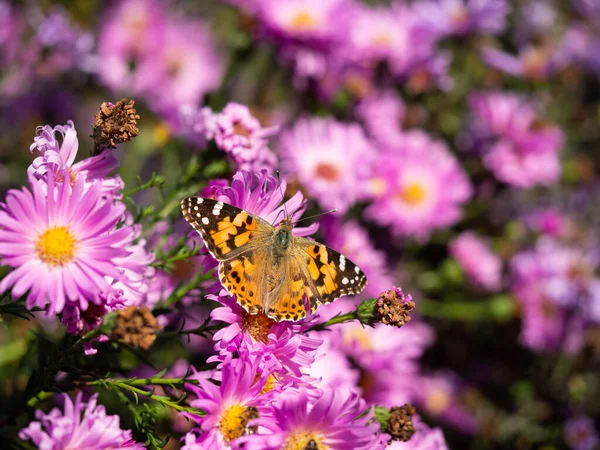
459	141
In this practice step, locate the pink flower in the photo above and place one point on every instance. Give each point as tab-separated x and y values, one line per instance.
82	425
63	245
475	258
419	187
241	135
231	409
59	157
336	420
332	160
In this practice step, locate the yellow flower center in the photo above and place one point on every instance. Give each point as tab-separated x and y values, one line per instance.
56	246
382	39
413	193
360	336
303	441
302	20
269	385
258	325
241	130
234	421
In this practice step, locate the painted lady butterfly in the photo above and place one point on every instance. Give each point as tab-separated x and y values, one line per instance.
267	268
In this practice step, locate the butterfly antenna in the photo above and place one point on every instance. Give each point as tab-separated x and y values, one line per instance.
317	215
282	194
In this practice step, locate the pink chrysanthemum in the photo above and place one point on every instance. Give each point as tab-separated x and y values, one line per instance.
59	157
382	113
63	246
461	17
517	147
231	409
82	425
241	135
335	420
332	160
481	266
419	187
309	22
283	346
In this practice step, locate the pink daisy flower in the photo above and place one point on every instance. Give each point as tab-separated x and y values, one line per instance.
419	187
241	135
335	420
332	160
383	113
59	157
63	246
232	409
481	266
83	425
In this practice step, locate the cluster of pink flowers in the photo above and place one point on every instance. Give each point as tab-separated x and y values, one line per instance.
69	237
516	145
148	51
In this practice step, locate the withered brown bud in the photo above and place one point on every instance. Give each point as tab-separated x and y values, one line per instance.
394	308
400	426
115	123
136	327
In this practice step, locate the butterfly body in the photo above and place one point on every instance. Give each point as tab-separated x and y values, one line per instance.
267	268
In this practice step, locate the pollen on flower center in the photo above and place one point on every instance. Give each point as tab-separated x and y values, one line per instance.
269	385
303	441
56	246
258	325
327	171
382	39
413	193
437	401
302	20
241	130
234	421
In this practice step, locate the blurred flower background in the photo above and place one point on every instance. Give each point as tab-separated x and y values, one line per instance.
458	142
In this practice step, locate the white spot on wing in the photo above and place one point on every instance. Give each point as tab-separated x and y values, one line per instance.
216	212
205	220
345	280
356	269
199	200
218	205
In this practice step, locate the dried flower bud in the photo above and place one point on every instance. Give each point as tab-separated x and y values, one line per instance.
114	124
393	307
400	425
136	327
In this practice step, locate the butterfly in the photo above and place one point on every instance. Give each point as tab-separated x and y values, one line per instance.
267	268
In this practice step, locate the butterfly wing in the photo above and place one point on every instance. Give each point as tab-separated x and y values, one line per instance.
285	300
328	274
226	230
244	277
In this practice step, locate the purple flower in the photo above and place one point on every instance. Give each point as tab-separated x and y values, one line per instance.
517	147
482	267
419	187
383	113
283	346
232	409
581	433
315	23
83	425
559	295
440	395
353	241
197	125
536	62
335	420
241	135
59	157
185	67
461	17
63	245
383	354
130	33
425	438
332	160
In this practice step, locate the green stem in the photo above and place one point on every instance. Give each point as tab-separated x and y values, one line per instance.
41	396
174	257
498	308
155	181
340	318
182	290
144	381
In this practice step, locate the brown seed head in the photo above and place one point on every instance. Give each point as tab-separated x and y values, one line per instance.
394	308
136	327
114	124
400	426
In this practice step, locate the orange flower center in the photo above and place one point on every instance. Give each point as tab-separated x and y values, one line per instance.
234	421
327	171
241	130
56	246
413	193
257	325
302	20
